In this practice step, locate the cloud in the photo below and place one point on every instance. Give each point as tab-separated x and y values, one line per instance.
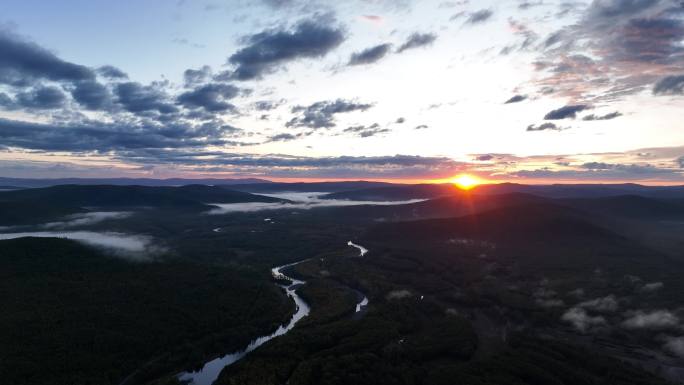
286	137
651	287
111	72
421	127
566	112
322	114
480	16
269	49
7	102
670	85
582	321
212	97
544	127
516	99
654	320
370	55
416	40
44	97
400	120
484	158
373	18
367	131
136	98
268	105
617	48
634	170
525	5
603	304
194	77
23	63
94	136
675	345
278	3
594	171
92	95
395	166
609	116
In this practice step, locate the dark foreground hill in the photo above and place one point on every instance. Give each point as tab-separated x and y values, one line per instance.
132	196
14	213
540	236
531	221
76	316
630	206
464	300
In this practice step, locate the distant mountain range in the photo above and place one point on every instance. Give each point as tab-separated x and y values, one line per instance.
14	183
431	191
323	187
28	206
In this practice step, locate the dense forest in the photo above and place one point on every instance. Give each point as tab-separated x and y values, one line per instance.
72	315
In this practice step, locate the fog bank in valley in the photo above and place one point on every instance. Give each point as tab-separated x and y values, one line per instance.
300	201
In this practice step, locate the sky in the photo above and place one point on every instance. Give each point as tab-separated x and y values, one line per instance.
530	91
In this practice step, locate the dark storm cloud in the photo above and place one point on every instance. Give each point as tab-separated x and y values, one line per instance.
566	112
322	114
544	127
92	95
670	85
366	131
212	97
416	40
136	98
111	72
369	55
271	48
23	62
609	116
516	99
42	98
94	136
480	16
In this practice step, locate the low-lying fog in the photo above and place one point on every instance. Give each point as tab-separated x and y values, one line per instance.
86	219
301	201
134	246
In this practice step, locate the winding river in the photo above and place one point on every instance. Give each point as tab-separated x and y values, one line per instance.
211	370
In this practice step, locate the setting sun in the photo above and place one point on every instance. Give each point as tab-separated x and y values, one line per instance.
465	181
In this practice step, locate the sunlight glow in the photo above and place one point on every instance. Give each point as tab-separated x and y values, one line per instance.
465	181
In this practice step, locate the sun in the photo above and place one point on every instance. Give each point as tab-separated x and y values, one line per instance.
465	181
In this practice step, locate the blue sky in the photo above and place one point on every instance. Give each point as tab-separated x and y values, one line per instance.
530	91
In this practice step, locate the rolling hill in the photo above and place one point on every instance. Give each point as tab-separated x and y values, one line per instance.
106	196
